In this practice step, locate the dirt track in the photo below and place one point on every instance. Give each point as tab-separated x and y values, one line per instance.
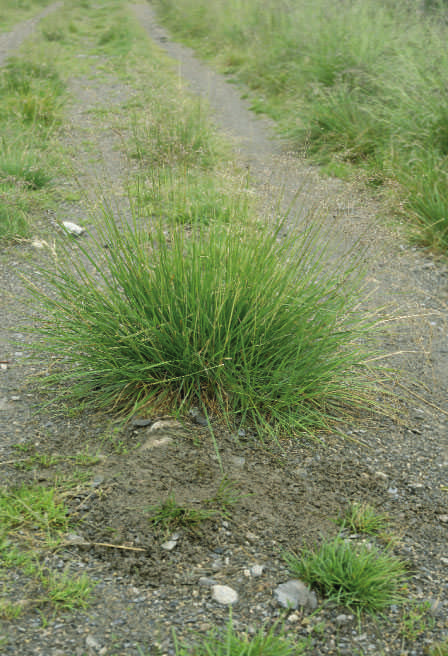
399	466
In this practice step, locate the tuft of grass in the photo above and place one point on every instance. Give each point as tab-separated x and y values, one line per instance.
170	515
31	91
266	642
65	591
26	512
357	576
363	518
13	223
246	319
415	621
21	167
175	135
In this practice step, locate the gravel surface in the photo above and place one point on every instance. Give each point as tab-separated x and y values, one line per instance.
149	583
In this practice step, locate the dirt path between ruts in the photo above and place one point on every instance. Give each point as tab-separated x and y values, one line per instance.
293	498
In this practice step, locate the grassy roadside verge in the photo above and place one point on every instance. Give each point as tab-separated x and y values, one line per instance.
349	83
15	11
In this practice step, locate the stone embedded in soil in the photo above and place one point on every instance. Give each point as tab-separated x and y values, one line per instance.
154	442
141	423
223	594
293	594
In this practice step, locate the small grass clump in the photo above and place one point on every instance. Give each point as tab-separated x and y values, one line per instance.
363	518
192	197
234	319
265	642
357	576
170	515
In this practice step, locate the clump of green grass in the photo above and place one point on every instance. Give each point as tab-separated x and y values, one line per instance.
175	135
36	511
360	577
266	642
13	223
21	166
234	319
363	518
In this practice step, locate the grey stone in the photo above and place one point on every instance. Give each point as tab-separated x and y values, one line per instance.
198	417
207	581
293	594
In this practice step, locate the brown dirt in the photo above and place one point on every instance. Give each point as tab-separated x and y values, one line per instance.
288	496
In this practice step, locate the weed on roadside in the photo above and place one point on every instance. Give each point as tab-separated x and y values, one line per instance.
358	576
32	517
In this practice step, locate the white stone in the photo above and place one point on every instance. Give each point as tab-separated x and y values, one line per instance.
223	594
73	228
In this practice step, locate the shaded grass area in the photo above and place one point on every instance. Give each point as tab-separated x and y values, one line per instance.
350	83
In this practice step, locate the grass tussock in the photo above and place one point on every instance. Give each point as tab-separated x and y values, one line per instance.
350	83
360	577
234	318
